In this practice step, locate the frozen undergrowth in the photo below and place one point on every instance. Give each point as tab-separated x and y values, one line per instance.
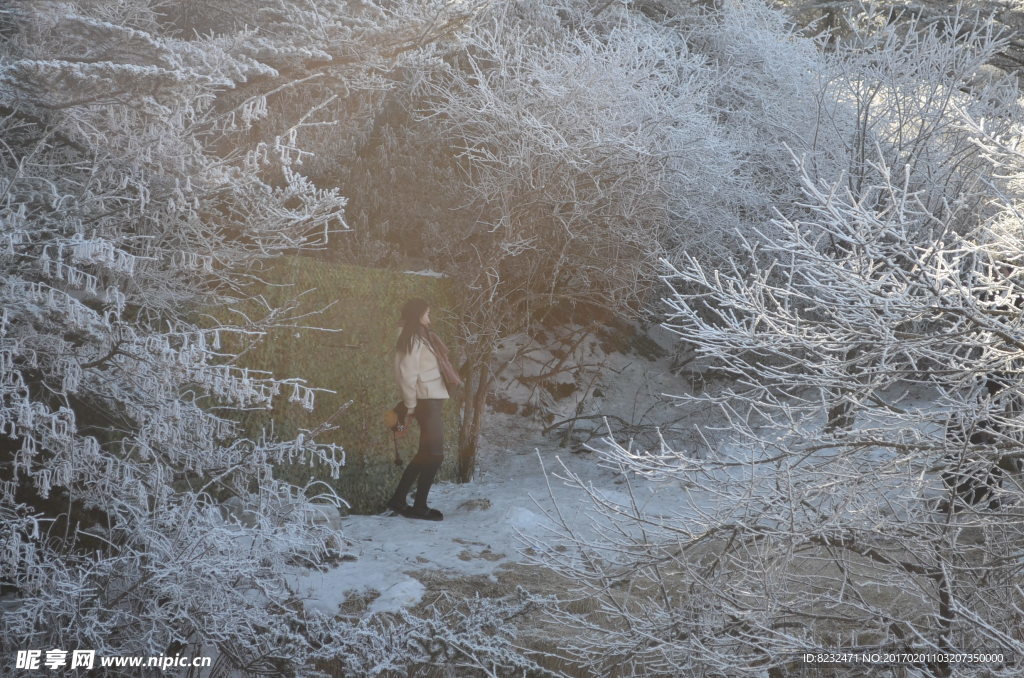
538	515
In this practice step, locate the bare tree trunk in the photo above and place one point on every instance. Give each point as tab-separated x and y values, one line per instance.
841	413
946	618
472	416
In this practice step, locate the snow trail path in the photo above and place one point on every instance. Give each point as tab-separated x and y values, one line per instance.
480	537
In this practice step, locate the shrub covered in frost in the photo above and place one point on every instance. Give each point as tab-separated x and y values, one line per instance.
145	172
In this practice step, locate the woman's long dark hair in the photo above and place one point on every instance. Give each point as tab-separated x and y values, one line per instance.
412	311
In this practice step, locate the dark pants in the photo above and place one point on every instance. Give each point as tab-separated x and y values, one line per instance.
423	467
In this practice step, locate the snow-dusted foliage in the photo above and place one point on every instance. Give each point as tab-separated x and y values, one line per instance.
905	84
863	493
572	136
562	147
594	139
474	636
772	96
573	143
565	146
145	171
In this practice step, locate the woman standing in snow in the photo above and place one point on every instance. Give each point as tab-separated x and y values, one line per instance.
423	371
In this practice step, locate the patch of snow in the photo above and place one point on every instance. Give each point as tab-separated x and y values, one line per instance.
523	519
427	273
403	593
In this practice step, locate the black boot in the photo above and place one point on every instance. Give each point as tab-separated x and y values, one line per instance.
397	505
426	479
424	513
398	502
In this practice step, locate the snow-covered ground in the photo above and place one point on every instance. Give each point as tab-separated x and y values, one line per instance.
495	526
484	527
489	522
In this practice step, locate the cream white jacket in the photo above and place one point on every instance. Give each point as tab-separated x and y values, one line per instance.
418	374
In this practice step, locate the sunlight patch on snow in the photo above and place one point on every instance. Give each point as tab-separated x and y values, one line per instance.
402	593
524	519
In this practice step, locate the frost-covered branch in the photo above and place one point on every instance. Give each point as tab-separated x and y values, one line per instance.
864	492
150	165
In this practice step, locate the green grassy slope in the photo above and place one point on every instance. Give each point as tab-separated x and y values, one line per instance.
356	363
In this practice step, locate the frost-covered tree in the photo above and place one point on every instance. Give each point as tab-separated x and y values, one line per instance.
841	18
905	83
147	168
899	531
862	489
565	146
570	141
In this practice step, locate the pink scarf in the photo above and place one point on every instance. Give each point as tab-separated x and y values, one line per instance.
451	377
